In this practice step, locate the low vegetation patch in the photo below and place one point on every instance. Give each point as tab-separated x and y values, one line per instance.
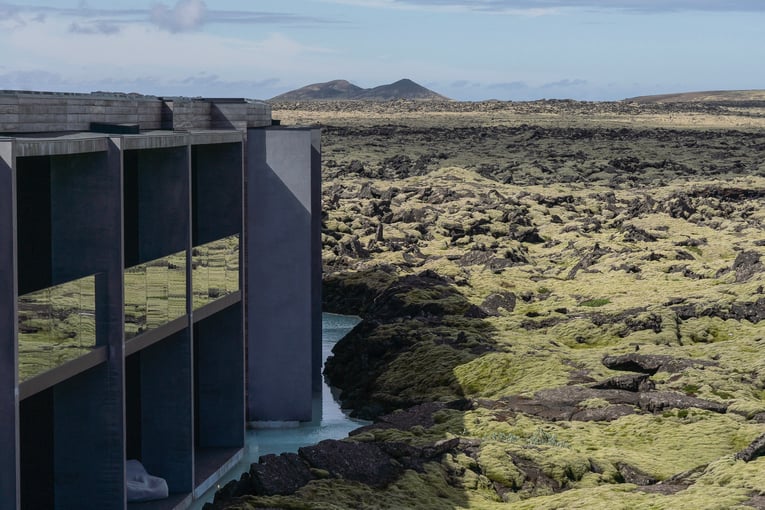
509	269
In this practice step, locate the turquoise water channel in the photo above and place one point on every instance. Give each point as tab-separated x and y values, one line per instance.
330	423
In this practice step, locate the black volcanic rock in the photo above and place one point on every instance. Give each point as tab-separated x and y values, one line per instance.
652	363
279	474
755	449
362	462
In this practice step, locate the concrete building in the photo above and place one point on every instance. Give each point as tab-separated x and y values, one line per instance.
159	287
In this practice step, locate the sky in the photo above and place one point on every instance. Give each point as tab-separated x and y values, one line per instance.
465	49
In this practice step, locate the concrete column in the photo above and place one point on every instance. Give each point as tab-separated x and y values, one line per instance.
9	402
279	256
316	266
88	409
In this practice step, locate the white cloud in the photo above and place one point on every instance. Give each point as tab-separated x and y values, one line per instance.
565	83
185	15
181	16
453	6
99	27
545	7
145	55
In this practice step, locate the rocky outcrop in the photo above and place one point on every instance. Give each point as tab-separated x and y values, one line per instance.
496	262
374	464
575	403
363	462
400	316
755	449
651	363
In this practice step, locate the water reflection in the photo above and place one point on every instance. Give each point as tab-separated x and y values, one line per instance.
155	293
215	268
56	325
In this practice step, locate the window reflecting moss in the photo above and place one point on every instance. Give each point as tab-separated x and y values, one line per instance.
215	270
155	293
56	325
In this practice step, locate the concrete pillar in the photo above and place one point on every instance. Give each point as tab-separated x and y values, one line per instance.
281	270
88	409
157	222
316	266
9	402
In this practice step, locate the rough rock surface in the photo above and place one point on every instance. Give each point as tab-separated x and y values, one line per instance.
754	450
362	462
651	364
585	279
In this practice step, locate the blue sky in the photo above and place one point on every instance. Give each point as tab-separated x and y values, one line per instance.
465	49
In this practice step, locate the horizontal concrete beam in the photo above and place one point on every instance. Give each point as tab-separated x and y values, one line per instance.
213	137
159	140
26	147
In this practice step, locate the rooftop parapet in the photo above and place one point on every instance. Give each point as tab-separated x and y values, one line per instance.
61	112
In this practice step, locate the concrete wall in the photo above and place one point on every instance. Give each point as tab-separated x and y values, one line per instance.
219	385
85	201
166	411
86	207
89	453
316	266
163	202
280	300
216	191
24	112
93	190
9	425
40	112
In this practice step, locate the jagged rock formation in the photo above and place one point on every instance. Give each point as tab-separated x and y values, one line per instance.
557	313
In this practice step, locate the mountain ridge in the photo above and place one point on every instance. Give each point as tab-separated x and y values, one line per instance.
343	90
702	96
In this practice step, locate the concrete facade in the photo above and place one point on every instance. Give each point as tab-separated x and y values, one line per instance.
284	210
159	288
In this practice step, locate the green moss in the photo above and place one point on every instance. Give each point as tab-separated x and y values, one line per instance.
424	373
558	330
594	403
524	371
430	490
498	466
596	302
582	332
686	443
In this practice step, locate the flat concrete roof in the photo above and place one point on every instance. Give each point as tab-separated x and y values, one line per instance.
47	144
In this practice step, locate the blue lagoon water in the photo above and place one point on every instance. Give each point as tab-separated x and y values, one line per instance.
330	422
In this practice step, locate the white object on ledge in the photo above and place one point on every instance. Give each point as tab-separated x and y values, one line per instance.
141	486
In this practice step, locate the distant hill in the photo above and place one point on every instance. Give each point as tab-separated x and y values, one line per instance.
344	90
703	97
336	89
